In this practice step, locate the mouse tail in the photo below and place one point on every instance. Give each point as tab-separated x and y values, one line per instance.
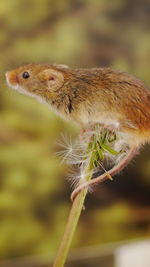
106	175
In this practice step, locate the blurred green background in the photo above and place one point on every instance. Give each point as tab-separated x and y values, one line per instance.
34	194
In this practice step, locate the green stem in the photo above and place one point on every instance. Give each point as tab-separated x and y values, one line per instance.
76	209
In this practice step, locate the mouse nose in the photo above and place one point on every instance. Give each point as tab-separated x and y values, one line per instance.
11	78
7	76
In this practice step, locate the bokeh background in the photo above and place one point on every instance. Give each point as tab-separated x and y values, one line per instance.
34	192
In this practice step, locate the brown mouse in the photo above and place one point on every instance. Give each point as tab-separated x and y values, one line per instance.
97	95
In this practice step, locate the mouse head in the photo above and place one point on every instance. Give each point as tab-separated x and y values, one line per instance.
37	80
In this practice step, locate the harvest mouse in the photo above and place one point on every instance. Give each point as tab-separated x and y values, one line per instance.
97	95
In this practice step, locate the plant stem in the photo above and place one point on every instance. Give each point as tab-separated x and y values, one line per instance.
76	209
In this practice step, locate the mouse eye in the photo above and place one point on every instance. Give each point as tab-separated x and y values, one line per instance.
25	75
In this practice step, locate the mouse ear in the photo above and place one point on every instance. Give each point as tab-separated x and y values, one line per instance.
53	79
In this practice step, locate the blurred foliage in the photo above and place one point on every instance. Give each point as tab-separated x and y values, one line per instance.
34	196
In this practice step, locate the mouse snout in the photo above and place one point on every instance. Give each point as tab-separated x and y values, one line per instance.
11	78
7	75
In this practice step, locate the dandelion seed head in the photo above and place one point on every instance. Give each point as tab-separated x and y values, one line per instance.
106	147
71	151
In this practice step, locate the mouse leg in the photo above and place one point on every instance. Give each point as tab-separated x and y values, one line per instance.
103	177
